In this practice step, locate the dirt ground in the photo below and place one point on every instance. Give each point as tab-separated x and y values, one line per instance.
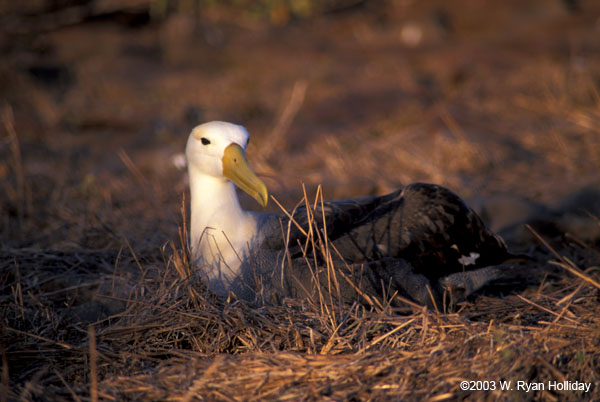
499	101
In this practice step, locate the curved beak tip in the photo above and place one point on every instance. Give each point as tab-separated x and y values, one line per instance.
264	198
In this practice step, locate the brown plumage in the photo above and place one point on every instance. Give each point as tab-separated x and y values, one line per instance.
420	236
426	225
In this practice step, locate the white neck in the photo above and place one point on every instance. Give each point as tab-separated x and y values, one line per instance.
221	231
205	212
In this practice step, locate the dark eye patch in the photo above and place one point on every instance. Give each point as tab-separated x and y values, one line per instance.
205	141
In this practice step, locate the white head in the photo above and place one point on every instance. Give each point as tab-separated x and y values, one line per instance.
217	149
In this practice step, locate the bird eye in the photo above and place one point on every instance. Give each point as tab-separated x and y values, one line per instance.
205	141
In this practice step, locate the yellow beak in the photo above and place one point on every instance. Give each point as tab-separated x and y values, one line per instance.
236	169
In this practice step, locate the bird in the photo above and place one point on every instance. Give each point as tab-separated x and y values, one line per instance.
411	242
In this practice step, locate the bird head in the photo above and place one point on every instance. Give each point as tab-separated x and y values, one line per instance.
218	149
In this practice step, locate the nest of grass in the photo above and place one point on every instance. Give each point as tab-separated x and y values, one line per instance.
127	325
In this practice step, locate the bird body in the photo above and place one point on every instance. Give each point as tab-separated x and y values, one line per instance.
425	224
410	238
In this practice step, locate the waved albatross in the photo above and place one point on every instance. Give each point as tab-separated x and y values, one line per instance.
414	241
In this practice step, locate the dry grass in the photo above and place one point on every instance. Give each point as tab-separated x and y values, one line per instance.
97	297
85	325
171	341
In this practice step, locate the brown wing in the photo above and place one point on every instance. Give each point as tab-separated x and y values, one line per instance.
427	225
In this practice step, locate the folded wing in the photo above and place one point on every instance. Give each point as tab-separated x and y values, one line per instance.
426	225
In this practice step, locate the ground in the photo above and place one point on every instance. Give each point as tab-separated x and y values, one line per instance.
499	101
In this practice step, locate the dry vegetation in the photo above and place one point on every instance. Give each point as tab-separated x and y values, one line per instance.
501	103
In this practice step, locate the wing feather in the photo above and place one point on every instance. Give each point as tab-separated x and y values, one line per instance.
427	225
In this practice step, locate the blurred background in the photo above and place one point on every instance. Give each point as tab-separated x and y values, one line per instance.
97	97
